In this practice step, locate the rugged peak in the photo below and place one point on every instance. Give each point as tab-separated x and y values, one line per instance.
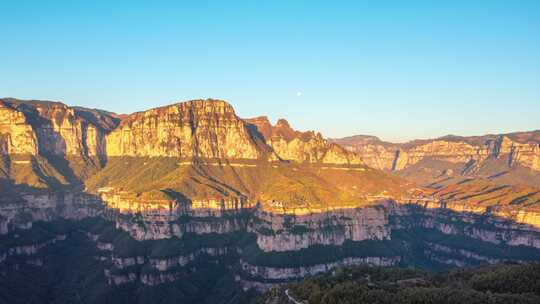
283	123
310	146
283	129
262	125
206	128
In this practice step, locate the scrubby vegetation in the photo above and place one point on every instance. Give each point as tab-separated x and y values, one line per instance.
505	283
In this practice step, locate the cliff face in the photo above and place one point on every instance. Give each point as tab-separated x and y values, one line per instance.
53	128
201	128
16	136
476	156
166	217
278	233
48	144
46	207
293	145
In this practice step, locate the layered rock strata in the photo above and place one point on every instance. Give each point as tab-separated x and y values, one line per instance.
293	273
514	149
293	145
208	129
277	232
47	207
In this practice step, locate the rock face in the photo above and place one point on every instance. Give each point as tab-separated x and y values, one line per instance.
153	219
48	144
200	128
53	128
278	233
484	197
293	145
487	155
17	136
35	207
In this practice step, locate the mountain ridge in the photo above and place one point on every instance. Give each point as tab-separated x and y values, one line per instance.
506	157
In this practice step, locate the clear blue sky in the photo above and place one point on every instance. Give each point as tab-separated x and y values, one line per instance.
396	69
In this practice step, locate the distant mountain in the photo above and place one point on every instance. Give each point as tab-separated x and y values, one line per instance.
507	158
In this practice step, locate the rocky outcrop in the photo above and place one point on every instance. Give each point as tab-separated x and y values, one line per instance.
282	232
165	217
293	145
128	202
200	128
47	207
16	135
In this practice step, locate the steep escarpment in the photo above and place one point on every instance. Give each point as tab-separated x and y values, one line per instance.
297	146
508	158
199	128
29	208
280	233
48	144
33	127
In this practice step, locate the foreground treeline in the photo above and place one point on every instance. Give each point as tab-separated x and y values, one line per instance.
506	283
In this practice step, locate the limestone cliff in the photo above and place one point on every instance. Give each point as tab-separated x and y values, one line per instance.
48	144
521	204
16	135
297	146
46	207
276	232
147	217
485	156
53	128
199	128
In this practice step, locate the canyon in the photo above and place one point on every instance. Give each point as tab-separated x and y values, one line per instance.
193	203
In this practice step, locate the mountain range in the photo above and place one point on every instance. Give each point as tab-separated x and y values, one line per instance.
189	202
